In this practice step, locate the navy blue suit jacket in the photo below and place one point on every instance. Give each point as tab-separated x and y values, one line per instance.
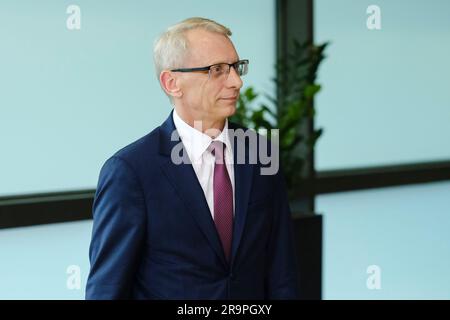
154	237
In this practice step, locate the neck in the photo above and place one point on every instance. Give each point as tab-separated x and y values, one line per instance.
210	127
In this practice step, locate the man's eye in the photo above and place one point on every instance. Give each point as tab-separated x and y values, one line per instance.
217	69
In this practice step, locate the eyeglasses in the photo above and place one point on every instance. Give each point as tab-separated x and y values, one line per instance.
220	70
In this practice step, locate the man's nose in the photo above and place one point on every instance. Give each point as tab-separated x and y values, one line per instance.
234	80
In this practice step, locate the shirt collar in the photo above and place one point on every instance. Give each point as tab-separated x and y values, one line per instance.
196	142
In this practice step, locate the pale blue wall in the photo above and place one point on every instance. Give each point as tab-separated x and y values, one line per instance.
34	260
70	99
385	100
385	97
403	230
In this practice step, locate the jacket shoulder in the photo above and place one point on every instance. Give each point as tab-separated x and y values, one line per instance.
141	148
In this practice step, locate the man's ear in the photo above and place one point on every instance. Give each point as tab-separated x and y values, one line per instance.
169	83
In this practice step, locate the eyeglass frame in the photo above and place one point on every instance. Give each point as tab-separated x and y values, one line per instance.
208	68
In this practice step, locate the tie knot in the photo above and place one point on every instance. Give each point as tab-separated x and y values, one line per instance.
217	148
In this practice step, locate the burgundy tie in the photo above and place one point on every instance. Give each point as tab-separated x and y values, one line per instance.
223	198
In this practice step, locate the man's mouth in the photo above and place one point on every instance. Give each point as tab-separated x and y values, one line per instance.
232	98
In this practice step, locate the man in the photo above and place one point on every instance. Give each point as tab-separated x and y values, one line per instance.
206	228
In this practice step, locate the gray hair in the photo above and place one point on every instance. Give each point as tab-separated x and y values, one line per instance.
171	47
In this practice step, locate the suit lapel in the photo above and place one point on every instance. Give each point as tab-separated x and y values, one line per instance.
187	186
243	174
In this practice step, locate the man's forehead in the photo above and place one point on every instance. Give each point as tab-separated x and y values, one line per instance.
209	48
210	58
217	61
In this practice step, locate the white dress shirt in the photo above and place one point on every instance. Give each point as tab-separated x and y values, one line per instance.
196	143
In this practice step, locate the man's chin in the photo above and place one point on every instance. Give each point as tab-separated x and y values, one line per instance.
233	110
229	109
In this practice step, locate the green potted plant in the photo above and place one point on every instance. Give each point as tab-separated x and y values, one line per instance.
289	111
